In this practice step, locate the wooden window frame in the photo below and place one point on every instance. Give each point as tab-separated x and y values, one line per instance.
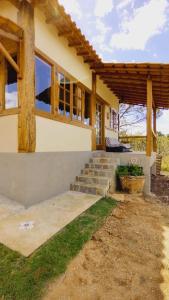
52	94
113	119
54	114
59	70
3	78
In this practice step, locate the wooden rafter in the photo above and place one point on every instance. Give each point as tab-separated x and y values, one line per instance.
129	81
8	35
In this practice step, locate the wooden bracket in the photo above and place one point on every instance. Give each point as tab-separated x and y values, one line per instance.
9	57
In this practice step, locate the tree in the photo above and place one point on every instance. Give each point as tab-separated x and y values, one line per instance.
132	115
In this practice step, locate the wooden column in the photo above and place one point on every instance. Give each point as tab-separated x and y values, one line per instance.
155	129
93	111
149	116
2	82
26	84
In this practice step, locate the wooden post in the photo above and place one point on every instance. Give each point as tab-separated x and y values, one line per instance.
155	129
2	82
149	116
26	84
93	111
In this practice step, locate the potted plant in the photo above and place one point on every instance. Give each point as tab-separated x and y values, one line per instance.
132	178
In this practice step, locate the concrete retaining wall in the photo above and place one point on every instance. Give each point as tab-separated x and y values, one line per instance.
31	178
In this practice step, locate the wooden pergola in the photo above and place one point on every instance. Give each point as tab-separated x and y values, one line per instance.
144	84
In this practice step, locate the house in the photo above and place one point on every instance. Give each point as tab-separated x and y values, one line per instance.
58	100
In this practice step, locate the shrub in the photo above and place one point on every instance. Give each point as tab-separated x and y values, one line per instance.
130	170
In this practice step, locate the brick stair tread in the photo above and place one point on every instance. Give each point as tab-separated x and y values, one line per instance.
101	164
90	185
106	160
94	177
97	169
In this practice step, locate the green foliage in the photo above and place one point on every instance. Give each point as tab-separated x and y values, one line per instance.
139	144
165	163
130	170
25	278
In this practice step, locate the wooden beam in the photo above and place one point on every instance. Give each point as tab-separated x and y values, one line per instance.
9	57
149	117
2	82
26	85
155	129
8	35
65	33
93	111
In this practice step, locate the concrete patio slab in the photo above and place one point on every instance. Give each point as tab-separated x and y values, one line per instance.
48	218
8	207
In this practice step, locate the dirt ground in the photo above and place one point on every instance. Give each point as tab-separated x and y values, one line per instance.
127	259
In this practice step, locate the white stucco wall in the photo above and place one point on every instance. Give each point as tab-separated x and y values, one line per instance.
56	136
9	133
8	10
55	47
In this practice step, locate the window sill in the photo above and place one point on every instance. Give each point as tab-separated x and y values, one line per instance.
8	112
62	119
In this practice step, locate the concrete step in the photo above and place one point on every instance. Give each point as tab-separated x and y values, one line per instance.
101	166
98	172
94	180
94	189
103	160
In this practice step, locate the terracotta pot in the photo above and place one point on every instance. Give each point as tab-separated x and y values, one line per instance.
132	184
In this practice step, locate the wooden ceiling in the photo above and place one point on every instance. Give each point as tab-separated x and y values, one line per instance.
129	81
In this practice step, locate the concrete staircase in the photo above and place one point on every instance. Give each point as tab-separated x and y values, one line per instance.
98	176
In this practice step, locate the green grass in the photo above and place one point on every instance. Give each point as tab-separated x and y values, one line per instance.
25	278
165	163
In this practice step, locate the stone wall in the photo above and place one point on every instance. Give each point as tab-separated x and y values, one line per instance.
160	187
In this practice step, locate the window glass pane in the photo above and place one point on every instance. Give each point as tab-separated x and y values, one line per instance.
61	79
67	84
61	94
64	94
74	95
61	108
43	85
67	97
67	110
87	109
11	88
74	113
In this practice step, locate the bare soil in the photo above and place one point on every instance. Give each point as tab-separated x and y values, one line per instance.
123	261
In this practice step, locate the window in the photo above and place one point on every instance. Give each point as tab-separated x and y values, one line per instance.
77	102
87	108
43	85
64	94
11	87
57	91
113	120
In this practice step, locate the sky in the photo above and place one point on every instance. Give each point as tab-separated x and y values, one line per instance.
125	31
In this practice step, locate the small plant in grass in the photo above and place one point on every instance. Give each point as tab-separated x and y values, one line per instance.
131	178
